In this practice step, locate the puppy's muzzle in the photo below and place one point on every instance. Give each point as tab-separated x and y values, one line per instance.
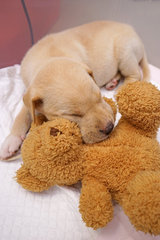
108	128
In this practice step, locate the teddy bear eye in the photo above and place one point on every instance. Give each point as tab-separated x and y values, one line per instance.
54	131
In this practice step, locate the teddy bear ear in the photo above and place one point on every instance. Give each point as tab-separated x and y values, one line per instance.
112	104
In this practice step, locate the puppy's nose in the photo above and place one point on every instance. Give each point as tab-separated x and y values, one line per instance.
108	129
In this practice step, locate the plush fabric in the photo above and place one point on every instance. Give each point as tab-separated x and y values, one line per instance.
124	168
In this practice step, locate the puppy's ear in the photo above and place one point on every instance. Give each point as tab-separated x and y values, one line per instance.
89	71
91	74
32	102
36	103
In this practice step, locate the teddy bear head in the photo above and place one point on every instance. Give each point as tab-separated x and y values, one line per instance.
50	155
139	104
53	140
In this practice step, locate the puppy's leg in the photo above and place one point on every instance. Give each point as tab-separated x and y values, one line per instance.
130	69
145	68
18	132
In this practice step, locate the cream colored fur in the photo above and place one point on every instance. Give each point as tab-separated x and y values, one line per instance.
63	73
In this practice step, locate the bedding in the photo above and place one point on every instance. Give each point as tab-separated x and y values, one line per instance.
53	214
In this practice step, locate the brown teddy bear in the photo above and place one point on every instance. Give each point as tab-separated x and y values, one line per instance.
125	167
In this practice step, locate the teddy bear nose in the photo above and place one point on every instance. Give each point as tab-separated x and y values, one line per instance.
108	129
54	131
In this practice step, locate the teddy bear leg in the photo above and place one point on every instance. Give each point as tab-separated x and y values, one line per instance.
29	182
95	203
141	201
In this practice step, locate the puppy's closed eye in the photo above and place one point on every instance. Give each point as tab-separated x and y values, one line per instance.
74	115
77	115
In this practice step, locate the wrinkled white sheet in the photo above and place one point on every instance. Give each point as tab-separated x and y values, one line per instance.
53	214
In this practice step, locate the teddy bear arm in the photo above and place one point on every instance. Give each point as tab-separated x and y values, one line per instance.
29	182
95	203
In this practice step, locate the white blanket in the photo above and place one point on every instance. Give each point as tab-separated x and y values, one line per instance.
53	214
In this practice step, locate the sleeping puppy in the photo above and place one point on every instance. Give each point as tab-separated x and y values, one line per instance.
63	73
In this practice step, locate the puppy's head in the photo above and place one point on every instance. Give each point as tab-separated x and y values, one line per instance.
65	88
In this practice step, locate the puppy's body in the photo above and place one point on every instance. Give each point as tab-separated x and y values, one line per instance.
104	46
60	72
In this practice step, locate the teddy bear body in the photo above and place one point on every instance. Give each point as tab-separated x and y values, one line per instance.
124	153
129	158
125	167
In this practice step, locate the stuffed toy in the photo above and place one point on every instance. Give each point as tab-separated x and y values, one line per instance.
125	167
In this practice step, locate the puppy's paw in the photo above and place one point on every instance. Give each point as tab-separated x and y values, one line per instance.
10	146
112	84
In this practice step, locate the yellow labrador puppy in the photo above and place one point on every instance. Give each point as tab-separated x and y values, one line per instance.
63	73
